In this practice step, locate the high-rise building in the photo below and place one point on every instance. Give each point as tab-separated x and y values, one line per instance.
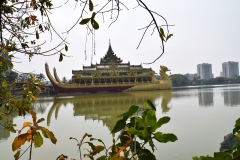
204	71
230	69
191	76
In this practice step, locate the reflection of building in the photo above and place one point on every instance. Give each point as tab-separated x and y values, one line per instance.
231	97
4	133
108	106
205	98
204	71
230	69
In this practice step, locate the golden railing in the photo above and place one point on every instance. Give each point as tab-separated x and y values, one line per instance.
110	84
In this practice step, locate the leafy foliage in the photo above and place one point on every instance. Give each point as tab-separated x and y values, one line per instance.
32	134
135	132
11	76
230	147
20	31
23	106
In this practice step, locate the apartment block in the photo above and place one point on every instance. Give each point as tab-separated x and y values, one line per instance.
191	76
204	71
230	69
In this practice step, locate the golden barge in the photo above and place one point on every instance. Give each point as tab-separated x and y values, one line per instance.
111	75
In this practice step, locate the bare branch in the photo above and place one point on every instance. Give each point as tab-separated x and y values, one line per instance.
144	33
78	18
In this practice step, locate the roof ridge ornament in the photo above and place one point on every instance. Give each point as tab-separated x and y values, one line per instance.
110	56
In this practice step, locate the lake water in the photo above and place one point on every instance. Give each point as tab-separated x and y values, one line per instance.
200	118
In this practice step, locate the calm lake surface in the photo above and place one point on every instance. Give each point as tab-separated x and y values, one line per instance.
200	118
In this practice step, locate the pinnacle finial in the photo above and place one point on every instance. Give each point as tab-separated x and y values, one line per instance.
109	42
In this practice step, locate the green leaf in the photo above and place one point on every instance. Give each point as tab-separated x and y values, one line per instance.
119	126
151	105
238	136
48	134
160	122
146	133
132	110
146	154
164	138
60	57
236	129
91	145
150	118
37	81
222	156
74	139
162	32
237	123
90	5
99	140
236	154
161	36
40	120
95	24
66	48
37	35
85	21
208	158
136	146
93	15
102	158
98	149
134	131
38	140
141	122
169	36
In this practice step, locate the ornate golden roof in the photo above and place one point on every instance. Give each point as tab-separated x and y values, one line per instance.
110	57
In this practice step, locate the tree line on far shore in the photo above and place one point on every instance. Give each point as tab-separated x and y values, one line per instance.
181	80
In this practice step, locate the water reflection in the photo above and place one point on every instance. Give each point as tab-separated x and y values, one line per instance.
42	105
4	133
205	97
106	107
231	97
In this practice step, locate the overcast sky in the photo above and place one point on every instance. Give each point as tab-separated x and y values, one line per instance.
205	31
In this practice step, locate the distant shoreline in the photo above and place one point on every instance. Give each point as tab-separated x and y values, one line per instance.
203	86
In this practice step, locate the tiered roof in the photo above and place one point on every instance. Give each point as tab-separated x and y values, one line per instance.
108	60
110	57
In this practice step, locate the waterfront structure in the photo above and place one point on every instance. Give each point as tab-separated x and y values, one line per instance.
111	75
204	71
230	69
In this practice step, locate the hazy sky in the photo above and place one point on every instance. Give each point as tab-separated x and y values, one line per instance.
205	31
